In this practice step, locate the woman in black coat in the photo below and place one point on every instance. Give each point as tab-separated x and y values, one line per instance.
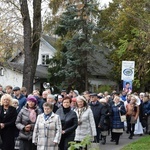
69	123
106	122
8	116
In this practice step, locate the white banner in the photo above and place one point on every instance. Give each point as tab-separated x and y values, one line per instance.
127	70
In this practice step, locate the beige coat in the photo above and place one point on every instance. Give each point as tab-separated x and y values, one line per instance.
87	127
47	132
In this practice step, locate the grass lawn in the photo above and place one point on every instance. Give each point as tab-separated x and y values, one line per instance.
141	144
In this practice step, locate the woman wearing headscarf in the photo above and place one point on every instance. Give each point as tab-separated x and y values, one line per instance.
8	116
25	123
117	126
47	131
86	123
69	123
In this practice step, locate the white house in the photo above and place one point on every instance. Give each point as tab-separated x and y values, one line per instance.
11	74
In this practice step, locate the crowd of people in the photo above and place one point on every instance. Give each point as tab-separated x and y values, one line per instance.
50	121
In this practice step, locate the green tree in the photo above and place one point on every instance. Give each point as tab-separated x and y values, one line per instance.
76	29
126	32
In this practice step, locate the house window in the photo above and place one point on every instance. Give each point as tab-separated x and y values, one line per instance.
44	58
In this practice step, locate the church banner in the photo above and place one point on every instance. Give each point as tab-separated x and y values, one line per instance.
127	70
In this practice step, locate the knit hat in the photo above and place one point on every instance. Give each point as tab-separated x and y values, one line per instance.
76	92
32	98
81	98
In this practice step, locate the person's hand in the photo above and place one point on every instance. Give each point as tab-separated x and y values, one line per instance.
99	126
27	128
2	125
55	143
63	132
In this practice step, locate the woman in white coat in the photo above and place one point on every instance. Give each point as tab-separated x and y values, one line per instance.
86	123
47	131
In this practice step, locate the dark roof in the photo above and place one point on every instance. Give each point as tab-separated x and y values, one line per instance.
41	71
50	39
99	65
17	54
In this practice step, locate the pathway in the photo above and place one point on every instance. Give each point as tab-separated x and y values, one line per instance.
123	141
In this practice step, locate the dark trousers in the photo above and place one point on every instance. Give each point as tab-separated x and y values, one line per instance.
64	142
116	137
131	128
27	145
98	137
8	141
128	122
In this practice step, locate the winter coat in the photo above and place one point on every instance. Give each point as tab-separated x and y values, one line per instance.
107	119
69	121
146	108
116	121
87	125
23	120
22	101
46	132
40	102
98	113
8	132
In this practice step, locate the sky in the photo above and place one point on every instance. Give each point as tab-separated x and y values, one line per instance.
103	2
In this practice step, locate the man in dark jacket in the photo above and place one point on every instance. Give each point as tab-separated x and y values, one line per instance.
20	97
99	115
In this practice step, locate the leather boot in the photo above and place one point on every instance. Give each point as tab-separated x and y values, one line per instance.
131	136
103	140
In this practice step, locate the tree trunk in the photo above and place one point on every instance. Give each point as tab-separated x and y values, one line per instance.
31	41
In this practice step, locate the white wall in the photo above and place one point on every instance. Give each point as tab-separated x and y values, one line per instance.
45	49
11	77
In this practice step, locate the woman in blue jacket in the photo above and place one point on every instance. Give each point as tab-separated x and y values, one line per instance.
117	126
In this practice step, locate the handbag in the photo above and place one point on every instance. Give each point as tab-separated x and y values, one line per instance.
122	117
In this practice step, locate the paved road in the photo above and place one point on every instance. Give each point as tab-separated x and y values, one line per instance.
123	141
